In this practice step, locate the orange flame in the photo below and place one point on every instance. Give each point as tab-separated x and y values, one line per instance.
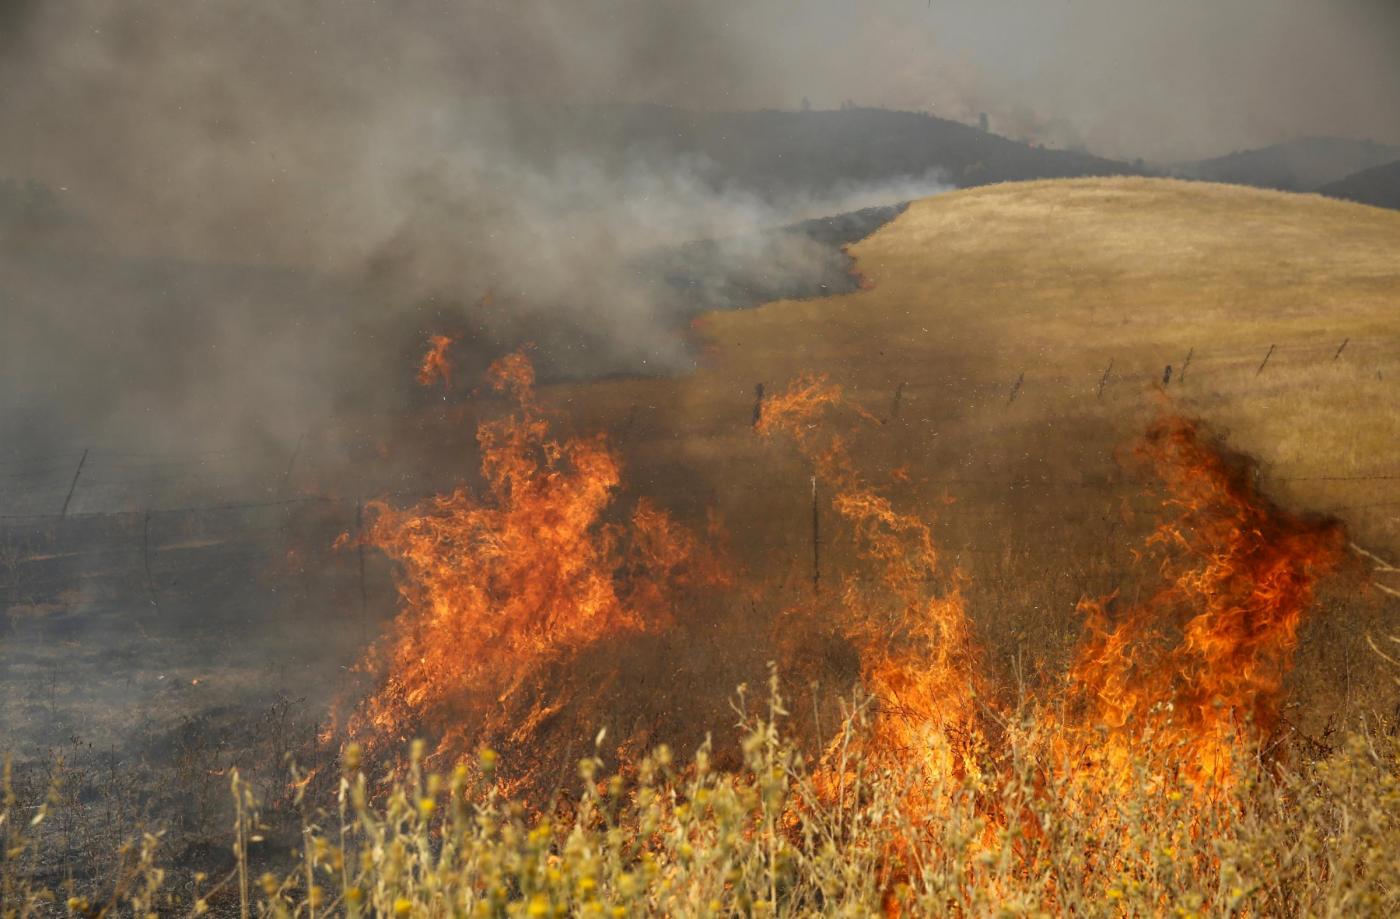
1198	668
496	589
501	591
436	365
1188	682
919	658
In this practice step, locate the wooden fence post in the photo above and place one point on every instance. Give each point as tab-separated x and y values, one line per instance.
146	559
74	486
1103	381
1265	360
291	464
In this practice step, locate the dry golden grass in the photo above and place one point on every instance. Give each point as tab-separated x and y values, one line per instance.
1054	279
1049	282
1043	282
689	840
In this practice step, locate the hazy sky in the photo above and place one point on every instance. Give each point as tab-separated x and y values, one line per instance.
331	135
311	131
1163	79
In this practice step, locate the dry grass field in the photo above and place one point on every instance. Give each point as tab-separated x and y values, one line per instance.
1007	349
1012	341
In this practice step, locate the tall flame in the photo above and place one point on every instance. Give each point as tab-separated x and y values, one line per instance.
1187	683
908	621
503	590
1198	667
495	589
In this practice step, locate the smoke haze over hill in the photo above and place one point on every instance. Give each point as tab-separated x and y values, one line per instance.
306	131
334	165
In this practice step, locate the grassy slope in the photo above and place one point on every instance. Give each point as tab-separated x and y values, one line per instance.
1054	279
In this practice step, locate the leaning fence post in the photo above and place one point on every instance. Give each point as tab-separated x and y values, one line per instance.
73	487
291	464
1016	387
1265	360
1181	377
757	404
1103	381
1340	349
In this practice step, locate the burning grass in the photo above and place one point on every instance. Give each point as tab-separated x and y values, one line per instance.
500	592
765	839
1198	666
1152	777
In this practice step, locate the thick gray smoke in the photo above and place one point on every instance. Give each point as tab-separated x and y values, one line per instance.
251	214
248	215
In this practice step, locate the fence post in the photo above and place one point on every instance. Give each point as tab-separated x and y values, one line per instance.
1103	381
1016	387
1181	377
291	464
1339	350
1265	360
74	487
360	552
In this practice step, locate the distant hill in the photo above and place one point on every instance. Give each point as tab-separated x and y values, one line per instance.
772	153
1298	165
1378	186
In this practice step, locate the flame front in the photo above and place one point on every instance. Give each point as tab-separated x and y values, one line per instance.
1181	688
502	591
497	589
1197	669
919	658
1189	676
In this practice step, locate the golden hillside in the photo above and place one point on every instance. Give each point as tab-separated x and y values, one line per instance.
1050	283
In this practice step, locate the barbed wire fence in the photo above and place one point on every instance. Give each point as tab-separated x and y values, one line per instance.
92	483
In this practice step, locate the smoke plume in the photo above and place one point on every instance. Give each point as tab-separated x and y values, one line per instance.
218	220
